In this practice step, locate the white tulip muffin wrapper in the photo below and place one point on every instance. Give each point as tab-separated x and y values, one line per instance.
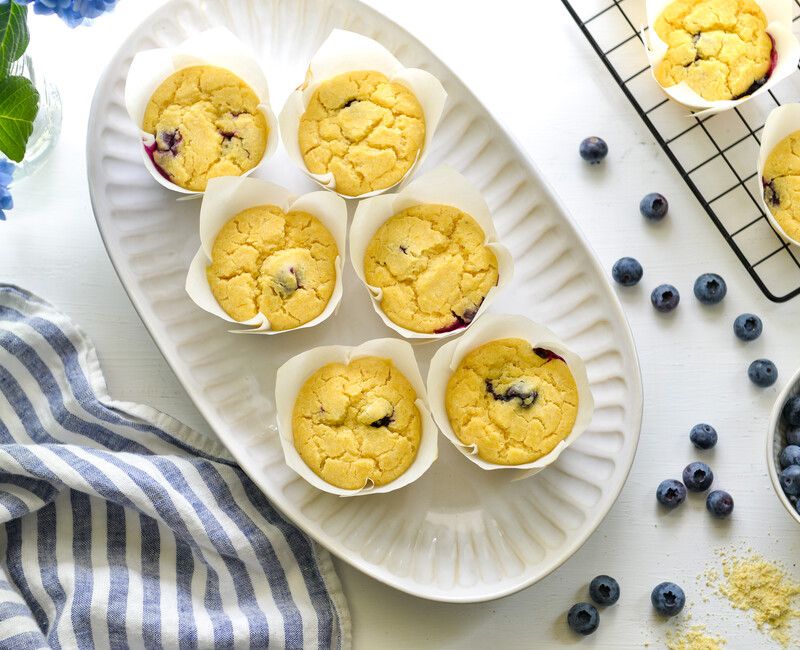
226	197
442	186
344	52
214	47
501	326
779	26
782	122
293	374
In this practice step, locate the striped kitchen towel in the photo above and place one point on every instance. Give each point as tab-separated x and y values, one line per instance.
120	527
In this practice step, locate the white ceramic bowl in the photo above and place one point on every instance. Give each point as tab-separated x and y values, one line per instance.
776	440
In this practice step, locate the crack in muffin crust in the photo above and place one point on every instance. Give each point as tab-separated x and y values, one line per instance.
279	264
781	180
514	402
364	129
720	48
434	268
357	422
206	123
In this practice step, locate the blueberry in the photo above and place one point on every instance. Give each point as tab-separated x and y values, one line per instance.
665	298
791	411
797	506
654	206
710	288
671	493
593	150
604	590
703	436
790	480
583	618
627	271
719	503
747	327
763	373
790	455
793	436
668	598
697	477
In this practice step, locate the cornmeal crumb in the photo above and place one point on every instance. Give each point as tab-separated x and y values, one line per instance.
356	423
280	265
206	123
433	266
781	182
720	48
514	402
693	638
764	589
364	129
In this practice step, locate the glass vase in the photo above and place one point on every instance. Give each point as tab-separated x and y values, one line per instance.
46	126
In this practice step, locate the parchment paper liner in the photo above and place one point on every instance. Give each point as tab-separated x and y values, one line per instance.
345	51
781	122
227	196
491	328
293	374
443	186
216	47
779	27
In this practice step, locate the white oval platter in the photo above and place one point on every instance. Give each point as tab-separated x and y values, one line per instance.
459	534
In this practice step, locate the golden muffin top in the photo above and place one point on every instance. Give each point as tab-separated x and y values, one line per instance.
514	402
206	123
434	268
279	264
364	129
357	422
781	179
720	48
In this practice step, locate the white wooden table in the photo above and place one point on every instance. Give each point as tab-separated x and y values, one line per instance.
534	70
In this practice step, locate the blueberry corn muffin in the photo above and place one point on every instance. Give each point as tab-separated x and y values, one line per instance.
781	179
206	123
720	48
357	422
515	403
364	129
279	264
434	268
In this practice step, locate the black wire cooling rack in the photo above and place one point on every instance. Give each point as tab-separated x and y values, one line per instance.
716	155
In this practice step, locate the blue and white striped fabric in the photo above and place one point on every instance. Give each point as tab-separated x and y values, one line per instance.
120	527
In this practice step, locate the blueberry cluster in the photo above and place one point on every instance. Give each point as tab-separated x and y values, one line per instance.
583	618
72	12
709	288
6	174
698	477
789	458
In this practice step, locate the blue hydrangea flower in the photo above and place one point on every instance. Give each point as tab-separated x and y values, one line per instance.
72	12
6	174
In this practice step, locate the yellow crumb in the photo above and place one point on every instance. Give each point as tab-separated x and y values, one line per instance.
693	638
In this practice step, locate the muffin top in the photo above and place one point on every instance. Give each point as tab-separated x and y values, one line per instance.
364	129
514	402
357	422
281	265
782	184
206	123
720	48
433	266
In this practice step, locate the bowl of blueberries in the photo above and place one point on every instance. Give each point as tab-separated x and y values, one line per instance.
783	447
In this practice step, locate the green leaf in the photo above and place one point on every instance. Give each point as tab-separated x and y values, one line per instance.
19	103
14	36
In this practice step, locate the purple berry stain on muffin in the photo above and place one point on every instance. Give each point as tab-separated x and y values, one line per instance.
150	149
544	353
461	321
520	390
771	195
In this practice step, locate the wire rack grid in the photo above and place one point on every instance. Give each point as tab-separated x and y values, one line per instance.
716	155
